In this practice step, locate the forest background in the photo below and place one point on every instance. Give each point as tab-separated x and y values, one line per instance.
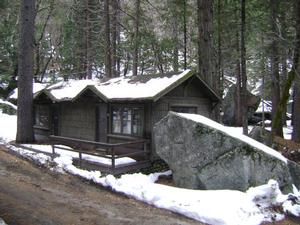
252	41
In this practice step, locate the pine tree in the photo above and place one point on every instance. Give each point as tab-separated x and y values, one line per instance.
25	73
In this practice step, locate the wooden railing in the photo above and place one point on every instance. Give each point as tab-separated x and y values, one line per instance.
135	148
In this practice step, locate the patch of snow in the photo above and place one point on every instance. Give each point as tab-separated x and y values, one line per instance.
230	79
122	88
37	157
233	133
116	88
36	88
75	155
66	90
218	207
287	130
257	87
8	103
8	127
267	107
223	207
2	222
292	205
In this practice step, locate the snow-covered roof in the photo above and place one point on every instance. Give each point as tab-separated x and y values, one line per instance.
65	90
147	87
36	88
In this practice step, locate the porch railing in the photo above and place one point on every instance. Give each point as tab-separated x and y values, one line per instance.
135	148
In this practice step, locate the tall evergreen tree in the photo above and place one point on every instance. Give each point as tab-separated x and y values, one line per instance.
243	68
136	37
25	73
108	71
205	41
274	61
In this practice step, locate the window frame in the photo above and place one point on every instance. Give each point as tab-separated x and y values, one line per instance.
122	108
185	106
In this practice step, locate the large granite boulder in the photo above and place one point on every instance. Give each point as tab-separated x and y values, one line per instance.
230	106
206	155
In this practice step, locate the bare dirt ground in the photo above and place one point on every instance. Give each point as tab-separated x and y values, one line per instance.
32	195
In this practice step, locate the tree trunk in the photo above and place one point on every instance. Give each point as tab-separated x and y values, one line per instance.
284	59
184	36
243	68
108	71
220	74
238	102
290	79
205	12
175	39
114	32
296	111
87	29
136	38
274	61
296	107
25	73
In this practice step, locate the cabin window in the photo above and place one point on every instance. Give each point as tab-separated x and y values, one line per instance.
42	116
127	120
184	109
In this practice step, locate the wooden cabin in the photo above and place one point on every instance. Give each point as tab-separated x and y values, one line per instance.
118	109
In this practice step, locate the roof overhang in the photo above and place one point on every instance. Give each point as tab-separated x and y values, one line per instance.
47	93
92	89
210	91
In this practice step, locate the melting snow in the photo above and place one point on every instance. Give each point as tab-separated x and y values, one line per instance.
116	88
120	88
218	207
8	103
36	87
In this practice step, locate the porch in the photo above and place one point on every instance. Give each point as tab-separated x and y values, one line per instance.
138	150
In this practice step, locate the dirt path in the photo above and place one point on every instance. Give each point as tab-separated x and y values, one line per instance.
30	195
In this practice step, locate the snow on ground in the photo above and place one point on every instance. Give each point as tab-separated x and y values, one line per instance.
228	207
75	155
2	222
287	130
8	124
218	207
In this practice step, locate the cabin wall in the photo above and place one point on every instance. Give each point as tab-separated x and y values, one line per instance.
185	95
78	120
41	135
101	125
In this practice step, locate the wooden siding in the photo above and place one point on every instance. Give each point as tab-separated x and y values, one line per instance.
187	94
78	120
101	133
